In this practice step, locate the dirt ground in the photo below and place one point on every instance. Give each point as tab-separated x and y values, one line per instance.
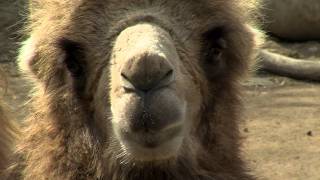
282	127
282	131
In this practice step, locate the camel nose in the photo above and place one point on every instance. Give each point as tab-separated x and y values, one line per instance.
147	72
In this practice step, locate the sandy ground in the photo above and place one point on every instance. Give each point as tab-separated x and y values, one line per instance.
282	127
282	130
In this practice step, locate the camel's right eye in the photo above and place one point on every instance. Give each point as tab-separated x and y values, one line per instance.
74	58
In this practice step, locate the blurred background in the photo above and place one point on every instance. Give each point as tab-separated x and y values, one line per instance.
282	98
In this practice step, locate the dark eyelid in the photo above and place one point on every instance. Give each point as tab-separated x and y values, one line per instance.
70	46
214	36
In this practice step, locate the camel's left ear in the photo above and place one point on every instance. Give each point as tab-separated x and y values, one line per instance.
27	54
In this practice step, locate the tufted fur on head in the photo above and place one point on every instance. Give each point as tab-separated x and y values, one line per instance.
83	107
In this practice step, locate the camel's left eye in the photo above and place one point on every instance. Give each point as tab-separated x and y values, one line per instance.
213	46
74	58
214	43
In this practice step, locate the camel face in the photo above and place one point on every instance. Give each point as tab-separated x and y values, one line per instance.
135	89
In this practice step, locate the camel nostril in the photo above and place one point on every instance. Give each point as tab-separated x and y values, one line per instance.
166	80
146	72
154	84
126	82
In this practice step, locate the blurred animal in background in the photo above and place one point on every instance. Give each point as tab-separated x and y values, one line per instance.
291	20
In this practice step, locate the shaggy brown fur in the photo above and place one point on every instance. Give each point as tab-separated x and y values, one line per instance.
65	136
6	137
8	131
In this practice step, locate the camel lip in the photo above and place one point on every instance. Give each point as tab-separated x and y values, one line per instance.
151	149
152	139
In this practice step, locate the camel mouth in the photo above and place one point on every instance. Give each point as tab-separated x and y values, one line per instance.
150	128
151	139
153	146
150	131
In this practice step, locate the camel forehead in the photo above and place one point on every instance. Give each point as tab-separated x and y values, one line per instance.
192	9
110	11
92	22
52	3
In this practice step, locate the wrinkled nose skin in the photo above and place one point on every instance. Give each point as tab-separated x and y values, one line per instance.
145	54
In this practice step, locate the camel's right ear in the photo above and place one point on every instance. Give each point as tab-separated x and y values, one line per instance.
27	55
